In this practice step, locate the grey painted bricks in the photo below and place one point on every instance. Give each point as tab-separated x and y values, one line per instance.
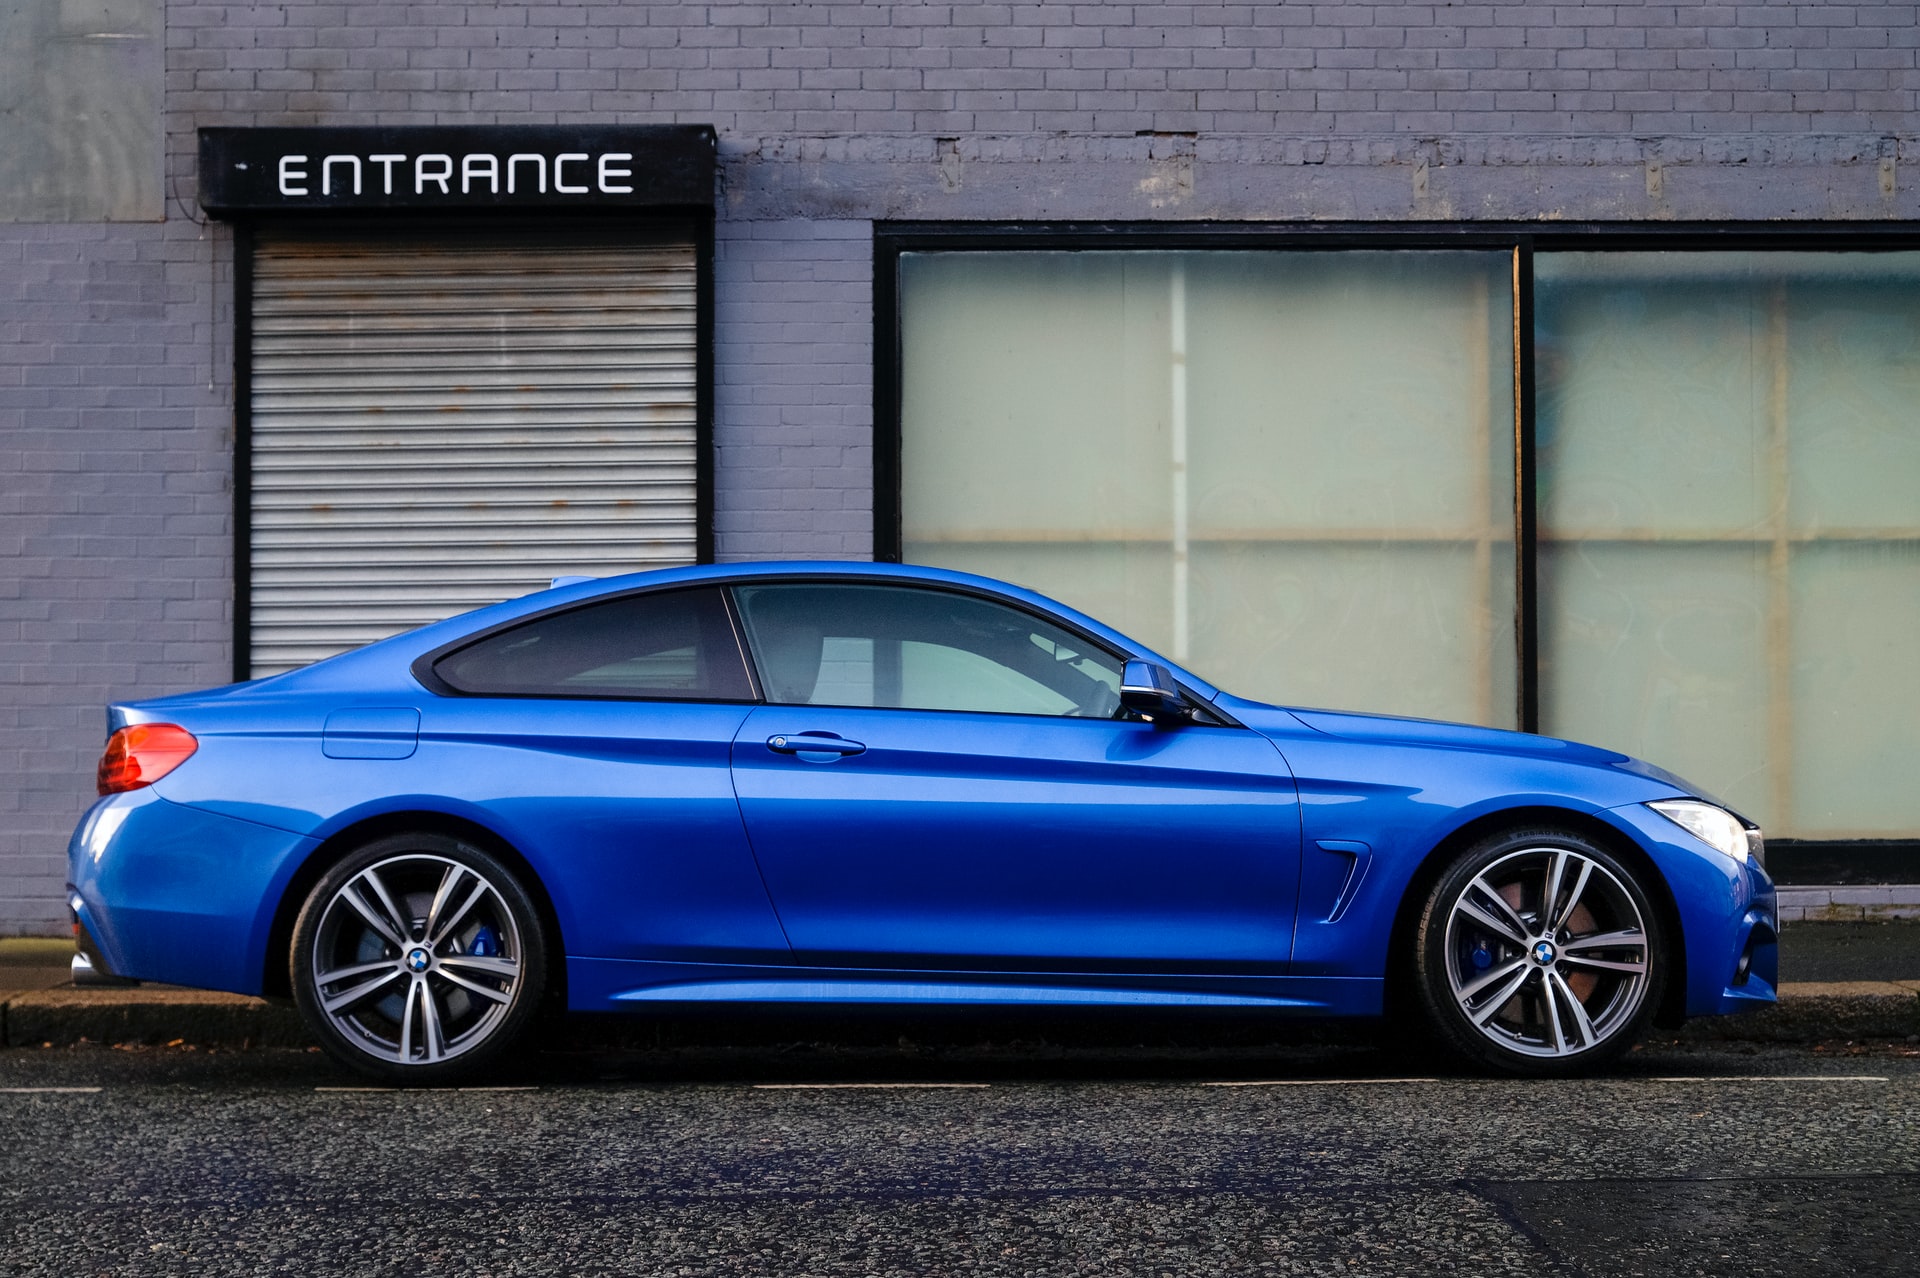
115	381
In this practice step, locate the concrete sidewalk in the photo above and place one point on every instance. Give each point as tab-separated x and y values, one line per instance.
1869	988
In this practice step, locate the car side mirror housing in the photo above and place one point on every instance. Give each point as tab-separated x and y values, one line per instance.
1147	688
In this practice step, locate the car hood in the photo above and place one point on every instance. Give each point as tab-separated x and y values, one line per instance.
1279	722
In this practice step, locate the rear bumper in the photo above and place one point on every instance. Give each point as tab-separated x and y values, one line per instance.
166	892
89	965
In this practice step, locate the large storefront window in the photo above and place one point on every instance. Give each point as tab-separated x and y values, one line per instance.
1729	463
1290	470
1295	471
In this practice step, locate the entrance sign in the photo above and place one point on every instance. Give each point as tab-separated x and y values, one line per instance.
505	167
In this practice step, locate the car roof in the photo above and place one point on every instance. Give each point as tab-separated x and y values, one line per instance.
397	653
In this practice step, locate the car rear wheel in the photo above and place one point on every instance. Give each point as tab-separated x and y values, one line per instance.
1539	953
419	958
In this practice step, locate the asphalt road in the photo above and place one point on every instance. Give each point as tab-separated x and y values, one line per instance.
1886	950
1317	1160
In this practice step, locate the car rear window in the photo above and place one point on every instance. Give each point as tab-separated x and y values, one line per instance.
675	644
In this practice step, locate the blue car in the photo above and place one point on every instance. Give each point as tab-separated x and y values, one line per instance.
867	783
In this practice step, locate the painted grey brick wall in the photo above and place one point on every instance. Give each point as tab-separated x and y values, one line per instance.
115	404
939	69
115	425
793	389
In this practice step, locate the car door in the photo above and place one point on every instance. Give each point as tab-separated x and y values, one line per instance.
598	737
941	780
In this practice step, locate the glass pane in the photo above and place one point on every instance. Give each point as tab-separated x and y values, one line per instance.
1622	638
903	648
1856	687
1729	448
676	644
1290	470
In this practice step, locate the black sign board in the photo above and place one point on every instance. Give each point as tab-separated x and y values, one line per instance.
464	167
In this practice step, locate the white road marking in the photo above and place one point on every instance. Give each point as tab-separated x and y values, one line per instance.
428	1089
1317	1082
831	1087
48	1091
1771	1078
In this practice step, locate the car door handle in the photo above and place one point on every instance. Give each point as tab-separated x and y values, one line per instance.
806	743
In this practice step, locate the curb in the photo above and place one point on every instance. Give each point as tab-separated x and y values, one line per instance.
158	1015
1841	903
63	1017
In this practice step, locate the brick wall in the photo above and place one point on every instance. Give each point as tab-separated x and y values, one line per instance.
115	403
115	433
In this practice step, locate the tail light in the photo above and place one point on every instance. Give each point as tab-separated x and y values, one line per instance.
141	754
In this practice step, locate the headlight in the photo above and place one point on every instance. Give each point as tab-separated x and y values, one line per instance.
1715	827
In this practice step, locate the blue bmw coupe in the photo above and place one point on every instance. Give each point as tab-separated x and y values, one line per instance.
865	783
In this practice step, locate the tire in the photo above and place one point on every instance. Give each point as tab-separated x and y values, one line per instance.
1511	987
418	959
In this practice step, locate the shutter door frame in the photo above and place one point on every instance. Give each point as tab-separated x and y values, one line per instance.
584	231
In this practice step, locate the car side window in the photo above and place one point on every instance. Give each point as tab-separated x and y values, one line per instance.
910	648
676	644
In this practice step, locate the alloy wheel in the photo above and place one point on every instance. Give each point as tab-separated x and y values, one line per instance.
1547	953
417	959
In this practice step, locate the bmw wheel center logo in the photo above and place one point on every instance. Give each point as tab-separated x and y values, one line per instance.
1543	953
418	960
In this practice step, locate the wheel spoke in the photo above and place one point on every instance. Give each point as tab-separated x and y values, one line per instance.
443	894
340	974
1500	906
504	968
1495	976
1550	890
453	920
1505	995
1509	932
1565	912
406	1023
351	895
1550	1003
433	1038
1609	965
1629	939
474	987
335	1004
1559	991
396	917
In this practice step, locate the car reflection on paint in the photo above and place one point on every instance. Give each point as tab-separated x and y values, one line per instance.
859	783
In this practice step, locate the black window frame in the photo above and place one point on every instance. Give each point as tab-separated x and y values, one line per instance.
891	240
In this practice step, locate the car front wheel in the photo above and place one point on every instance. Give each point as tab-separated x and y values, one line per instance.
419	958
1539	953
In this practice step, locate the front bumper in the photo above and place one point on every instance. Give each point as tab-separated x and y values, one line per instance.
1729	920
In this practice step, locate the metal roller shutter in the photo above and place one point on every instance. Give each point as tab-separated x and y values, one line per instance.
440	426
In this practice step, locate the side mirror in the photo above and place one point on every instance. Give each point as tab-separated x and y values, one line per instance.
1149	691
